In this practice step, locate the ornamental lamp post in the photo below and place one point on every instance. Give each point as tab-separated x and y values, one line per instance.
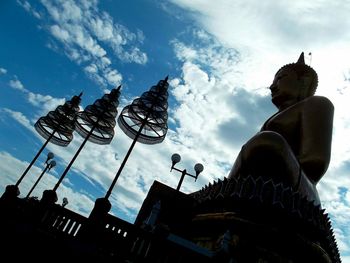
144	121
96	124
198	168
56	127
49	165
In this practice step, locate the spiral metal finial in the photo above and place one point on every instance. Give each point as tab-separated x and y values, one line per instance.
99	116
148	113
60	122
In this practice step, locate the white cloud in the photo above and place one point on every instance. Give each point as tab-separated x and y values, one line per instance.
26	5
113	77
60	33
216	115
93	72
118	36
71	11
46	103
20	117
269	34
103	29
16	84
105	62
135	55
92	68
3	71
86	32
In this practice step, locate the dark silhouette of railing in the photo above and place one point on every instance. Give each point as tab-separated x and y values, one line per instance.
56	229
61	220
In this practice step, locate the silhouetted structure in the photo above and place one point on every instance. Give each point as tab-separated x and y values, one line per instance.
248	217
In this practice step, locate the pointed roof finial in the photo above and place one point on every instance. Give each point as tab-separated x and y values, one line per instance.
301	59
81	94
166	78
118	89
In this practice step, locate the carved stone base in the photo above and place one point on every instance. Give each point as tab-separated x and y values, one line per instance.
251	241
266	222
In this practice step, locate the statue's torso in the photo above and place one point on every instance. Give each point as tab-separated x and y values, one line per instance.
287	124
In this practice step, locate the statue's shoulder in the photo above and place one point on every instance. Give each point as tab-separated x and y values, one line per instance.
318	101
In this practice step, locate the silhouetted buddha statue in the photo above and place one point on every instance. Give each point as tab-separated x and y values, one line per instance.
294	144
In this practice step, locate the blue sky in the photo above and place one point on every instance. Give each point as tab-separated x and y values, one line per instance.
220	57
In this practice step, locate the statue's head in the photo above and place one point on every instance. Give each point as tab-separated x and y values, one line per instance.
294	82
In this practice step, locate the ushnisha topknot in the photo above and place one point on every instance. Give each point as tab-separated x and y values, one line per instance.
304	71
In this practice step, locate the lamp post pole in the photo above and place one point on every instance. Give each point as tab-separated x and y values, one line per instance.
34	159
109	192
183	174
73	159
48	166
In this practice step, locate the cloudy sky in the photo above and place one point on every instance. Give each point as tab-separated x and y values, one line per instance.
220	57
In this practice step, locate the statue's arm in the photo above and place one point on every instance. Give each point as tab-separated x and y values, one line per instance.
316	136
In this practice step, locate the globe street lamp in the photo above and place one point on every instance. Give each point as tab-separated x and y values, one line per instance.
198	168
64	201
